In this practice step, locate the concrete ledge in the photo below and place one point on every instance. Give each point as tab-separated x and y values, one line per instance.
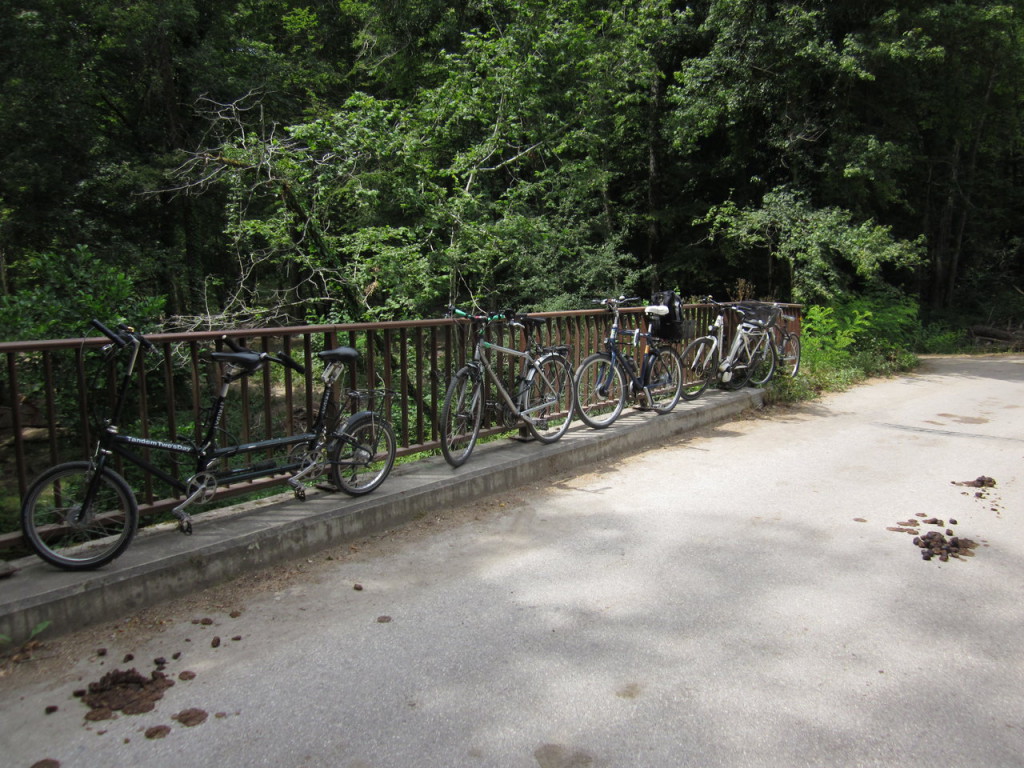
162	564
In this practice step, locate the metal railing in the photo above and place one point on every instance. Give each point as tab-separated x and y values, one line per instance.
53	393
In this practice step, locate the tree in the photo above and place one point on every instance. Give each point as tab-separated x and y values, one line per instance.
828	254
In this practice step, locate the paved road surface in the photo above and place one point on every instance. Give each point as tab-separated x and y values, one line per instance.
733	599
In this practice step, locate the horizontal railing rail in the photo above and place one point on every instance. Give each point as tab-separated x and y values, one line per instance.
52	391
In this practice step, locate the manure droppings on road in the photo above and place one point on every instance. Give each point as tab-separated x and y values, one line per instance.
131	692
942	543
127	691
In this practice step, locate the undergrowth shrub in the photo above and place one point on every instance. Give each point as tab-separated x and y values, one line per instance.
844	344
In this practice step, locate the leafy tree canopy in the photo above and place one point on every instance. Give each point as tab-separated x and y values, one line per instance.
254	161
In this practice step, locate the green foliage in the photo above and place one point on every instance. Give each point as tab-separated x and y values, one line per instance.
492	186
37	630
268	161
846	343
64	292
826	251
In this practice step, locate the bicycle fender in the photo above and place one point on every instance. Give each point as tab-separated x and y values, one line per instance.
355	418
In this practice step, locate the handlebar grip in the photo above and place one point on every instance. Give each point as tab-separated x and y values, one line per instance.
143	341
231	344
114	337
284	359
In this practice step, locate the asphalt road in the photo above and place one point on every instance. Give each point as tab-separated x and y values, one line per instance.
733	599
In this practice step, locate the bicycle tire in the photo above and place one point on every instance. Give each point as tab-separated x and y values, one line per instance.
552	421
698	367
665	380
358	460
105	532
740	371
763	367
461	416
789	355
600	391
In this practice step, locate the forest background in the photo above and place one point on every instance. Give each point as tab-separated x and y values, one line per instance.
183	164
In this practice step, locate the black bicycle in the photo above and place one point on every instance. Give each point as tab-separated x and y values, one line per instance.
787	346
83	514
605	378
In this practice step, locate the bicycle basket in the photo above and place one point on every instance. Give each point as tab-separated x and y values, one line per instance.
759	313
667	327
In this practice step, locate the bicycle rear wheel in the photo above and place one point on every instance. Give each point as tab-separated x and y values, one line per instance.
698	367
67	532
789	354
763	366
665	380
362	454
550	384
600	391
461	415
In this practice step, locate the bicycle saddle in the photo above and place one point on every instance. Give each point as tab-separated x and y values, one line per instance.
248	360
536	322
660	310
339	355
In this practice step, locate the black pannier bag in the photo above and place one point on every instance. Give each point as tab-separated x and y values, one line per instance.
667	327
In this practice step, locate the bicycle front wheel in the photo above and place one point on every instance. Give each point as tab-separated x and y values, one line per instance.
550	398
789	354
763	367
71	532
600	391
362	455
461	416
665	380
698	367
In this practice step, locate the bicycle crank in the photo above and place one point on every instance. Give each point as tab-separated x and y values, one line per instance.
200	489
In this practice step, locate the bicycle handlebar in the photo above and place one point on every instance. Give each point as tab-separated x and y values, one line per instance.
456	312
114	337
504	314
287	361
614	302
281	357
123	336
232	344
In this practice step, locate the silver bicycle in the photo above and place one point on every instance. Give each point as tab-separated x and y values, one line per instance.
541	397
751	356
